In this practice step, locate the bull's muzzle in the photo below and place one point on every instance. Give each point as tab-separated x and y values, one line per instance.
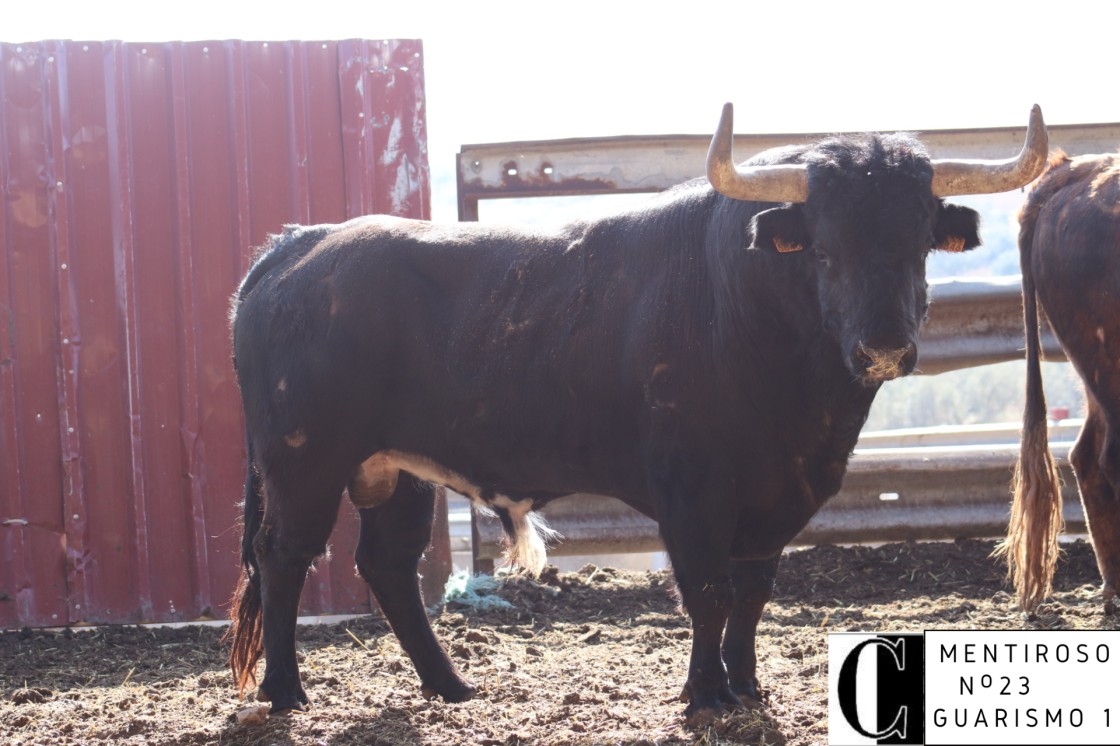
877	364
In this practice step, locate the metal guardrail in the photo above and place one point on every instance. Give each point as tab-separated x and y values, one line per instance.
889	494
995	433
976	322
618	165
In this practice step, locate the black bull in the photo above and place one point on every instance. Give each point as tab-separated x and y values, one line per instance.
709	359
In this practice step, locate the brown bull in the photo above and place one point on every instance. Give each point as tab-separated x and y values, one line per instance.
1069	244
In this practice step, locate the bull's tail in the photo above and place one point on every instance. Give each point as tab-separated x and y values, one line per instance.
1031	546
247	624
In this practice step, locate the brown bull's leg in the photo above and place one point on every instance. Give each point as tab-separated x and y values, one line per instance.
1100	497
294	532
393	538
752	583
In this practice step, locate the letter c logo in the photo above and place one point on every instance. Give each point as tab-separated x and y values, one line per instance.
846	688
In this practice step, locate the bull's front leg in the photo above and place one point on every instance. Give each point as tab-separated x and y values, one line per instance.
697	538
707	597
752	583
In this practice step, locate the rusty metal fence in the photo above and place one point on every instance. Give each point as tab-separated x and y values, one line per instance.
634	164
135	178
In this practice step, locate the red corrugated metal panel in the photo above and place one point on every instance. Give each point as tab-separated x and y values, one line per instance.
32	534
137	177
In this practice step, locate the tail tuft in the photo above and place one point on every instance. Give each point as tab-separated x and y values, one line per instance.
1031	547
247	620
246	631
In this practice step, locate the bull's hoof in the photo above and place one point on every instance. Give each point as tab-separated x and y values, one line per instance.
701	717
706	706
297	702
459	691
287	708
749	694
1108	594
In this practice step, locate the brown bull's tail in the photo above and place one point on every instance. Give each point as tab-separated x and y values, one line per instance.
1031	546
247	625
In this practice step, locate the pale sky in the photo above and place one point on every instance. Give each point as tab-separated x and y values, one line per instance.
500	71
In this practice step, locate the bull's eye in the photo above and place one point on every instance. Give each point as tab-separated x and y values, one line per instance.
821	257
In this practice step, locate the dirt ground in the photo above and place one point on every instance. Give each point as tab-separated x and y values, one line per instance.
592	657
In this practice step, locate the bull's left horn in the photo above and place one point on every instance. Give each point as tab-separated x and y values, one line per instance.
776	183
951	177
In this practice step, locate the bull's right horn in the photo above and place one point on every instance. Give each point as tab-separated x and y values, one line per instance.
777	183
955	177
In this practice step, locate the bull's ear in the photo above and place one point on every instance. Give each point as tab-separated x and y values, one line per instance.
958	229
780	230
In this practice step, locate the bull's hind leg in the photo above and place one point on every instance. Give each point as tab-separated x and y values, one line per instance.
752	583
1094	459
393	537
298	519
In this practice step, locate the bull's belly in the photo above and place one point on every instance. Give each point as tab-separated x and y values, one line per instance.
770	513
376	478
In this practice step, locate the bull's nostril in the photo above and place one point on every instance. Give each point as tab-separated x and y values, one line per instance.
863	356
909	359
